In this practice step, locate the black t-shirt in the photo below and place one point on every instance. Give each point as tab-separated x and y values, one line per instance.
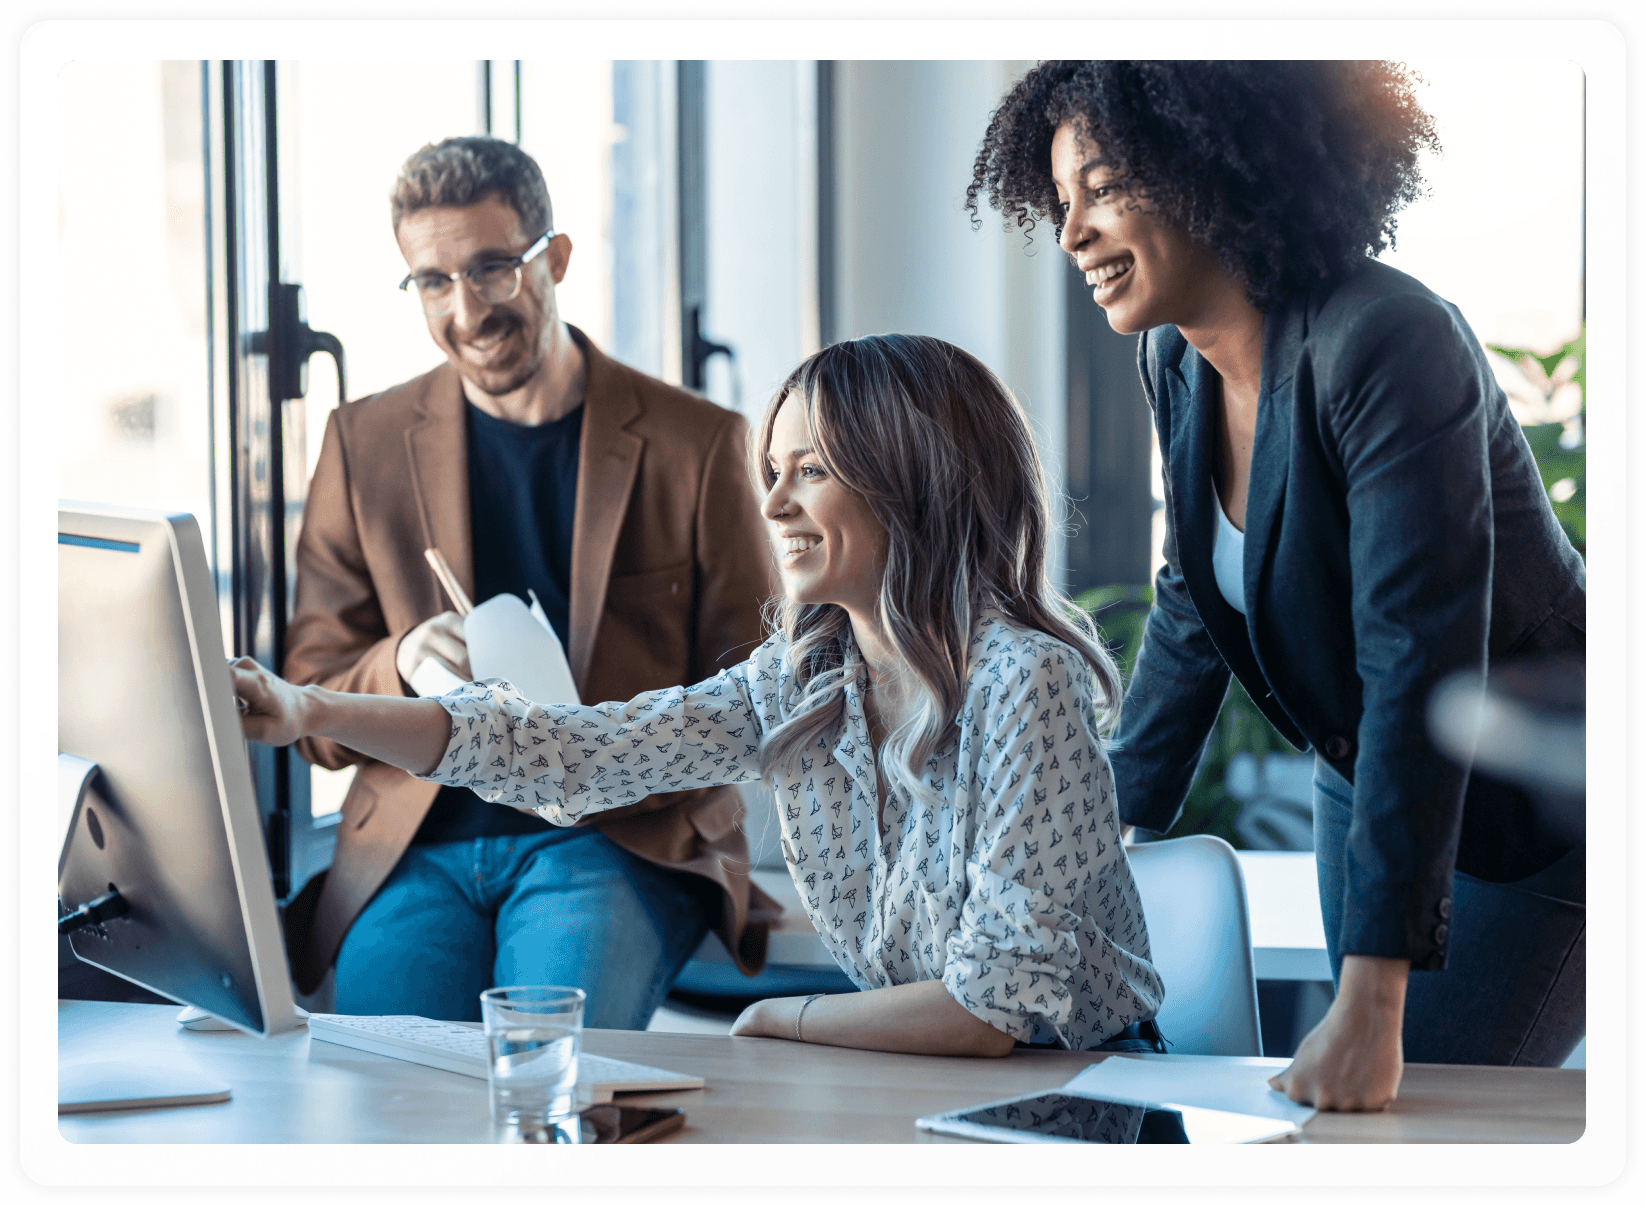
522	501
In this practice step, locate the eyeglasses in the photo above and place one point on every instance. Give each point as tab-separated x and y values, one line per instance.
492	281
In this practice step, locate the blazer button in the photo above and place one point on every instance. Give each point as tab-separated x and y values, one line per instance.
1337	747
1444	908
1442	932
1436	961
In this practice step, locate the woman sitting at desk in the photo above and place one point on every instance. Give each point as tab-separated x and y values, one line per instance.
928	714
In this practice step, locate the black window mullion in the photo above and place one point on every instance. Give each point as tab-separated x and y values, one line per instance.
692	203
256	462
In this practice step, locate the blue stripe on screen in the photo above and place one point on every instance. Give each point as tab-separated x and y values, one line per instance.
93	542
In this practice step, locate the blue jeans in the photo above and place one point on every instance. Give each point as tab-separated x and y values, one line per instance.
567	906
1512	991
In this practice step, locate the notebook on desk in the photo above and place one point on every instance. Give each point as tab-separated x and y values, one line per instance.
462	1049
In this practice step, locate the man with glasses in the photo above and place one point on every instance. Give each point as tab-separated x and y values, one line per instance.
536	466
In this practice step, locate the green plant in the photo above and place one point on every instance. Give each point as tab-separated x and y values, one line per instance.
1556	428
1121	612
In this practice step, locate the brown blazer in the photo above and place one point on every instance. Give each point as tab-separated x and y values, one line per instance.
670	568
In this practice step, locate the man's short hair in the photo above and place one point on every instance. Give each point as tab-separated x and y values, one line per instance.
467	170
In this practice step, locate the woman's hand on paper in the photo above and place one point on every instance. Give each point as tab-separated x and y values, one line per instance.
440	637
272	711
1353	1059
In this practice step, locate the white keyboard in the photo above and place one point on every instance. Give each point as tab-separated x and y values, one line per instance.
463	1049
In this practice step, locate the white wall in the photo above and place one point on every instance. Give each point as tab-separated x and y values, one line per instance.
907	258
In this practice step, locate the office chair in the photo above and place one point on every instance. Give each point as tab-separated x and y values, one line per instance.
1194	899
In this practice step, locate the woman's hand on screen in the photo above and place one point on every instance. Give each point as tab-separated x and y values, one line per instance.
271	709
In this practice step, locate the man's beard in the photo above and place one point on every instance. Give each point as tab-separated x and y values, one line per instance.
521	376
516	380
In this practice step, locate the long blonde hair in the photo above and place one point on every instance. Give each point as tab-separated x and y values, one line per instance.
943	455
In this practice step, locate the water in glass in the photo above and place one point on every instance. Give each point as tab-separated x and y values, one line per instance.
533	1073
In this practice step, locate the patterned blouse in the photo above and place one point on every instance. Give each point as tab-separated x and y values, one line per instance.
1015	891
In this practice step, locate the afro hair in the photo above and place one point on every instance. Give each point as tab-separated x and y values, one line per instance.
1290	171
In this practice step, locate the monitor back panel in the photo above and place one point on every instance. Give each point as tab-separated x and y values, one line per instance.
133	666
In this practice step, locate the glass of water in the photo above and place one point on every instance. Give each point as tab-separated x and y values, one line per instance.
533	1034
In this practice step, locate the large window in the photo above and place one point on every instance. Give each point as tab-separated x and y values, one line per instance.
566	124
1500	234
133	391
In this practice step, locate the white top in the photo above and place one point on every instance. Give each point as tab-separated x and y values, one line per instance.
1014	891
1228	558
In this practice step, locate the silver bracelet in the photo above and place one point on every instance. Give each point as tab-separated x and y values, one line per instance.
801	1014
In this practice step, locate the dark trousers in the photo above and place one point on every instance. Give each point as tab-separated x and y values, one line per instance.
1512	991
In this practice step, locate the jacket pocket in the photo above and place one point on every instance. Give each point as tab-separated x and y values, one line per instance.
669	582
645	631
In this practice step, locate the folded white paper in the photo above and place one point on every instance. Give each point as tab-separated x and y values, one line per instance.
537	610
1238	1084
505	641
432	678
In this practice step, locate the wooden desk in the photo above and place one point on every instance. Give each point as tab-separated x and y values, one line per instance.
293	1090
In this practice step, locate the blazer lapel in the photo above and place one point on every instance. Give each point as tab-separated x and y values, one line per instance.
608	463
1193	452
1194	445
438	450
1272	452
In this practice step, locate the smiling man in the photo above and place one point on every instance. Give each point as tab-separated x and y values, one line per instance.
533	462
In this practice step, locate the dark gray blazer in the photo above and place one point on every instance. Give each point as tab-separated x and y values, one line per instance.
1396	531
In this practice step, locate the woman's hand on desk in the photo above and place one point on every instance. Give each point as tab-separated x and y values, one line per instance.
918	1019
1353	1059
409	733
775	1017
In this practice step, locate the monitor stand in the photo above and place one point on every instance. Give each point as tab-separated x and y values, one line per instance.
95	1075
192	1017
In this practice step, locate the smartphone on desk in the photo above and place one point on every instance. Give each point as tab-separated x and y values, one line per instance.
613	1123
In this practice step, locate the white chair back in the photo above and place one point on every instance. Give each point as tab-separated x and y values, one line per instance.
1194	901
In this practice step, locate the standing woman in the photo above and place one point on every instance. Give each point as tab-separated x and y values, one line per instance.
1351	515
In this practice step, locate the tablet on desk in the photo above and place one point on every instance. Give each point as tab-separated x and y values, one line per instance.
1055	1116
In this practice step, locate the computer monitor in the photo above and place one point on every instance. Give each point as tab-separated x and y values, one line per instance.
168	819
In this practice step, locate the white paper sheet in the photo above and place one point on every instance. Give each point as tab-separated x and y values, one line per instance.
1239	1084
505	641
537	610
432	678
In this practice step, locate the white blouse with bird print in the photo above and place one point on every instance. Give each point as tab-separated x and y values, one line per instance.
1014	890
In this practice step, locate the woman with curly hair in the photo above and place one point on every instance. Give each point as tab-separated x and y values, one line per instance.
928	713
1351	515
